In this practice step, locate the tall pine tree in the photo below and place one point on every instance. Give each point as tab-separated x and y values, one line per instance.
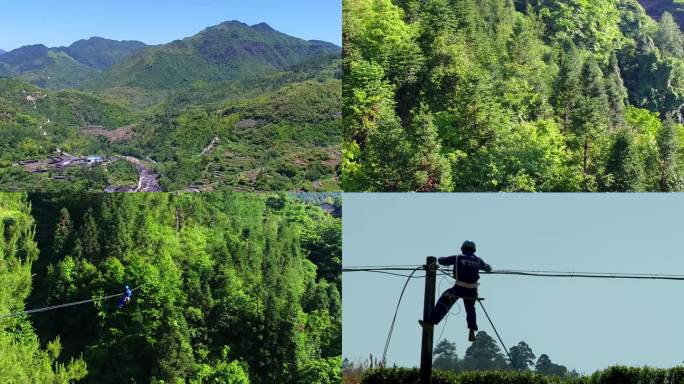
668	153
624	164
432	171
668	38
590	119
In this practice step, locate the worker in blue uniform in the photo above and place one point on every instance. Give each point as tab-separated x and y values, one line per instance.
467	267
125	298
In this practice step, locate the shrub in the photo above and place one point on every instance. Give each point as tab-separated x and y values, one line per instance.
611	375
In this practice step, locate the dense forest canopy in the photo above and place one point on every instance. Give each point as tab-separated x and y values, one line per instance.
504	95
231	288
22	359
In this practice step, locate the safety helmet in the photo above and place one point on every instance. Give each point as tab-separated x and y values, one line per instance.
127	287
468	244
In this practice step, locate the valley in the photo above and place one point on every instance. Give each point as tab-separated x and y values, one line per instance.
235	107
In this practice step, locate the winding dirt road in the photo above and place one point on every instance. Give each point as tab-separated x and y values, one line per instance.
148	180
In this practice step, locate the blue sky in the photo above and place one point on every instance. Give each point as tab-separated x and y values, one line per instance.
58	23
585	324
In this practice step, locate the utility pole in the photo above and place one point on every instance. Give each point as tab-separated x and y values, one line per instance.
428	332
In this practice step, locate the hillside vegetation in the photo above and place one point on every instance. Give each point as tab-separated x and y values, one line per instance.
231	288
483	354
656	8
279	140
65	67
612	375
22	359
233	107
226	52
504	95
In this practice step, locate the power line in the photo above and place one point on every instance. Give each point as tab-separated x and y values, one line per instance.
379	268
409	266
396	274
391	330
44	309
589	273
593	275
388	269
533	273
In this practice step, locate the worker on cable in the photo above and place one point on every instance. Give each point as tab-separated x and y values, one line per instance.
126	298
467	268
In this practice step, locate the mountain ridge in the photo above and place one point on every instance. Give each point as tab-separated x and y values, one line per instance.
227	51
65	67
262	26
101	53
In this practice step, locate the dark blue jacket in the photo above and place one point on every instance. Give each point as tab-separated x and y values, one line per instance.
466	267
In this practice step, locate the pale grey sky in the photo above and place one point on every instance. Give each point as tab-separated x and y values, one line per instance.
585	324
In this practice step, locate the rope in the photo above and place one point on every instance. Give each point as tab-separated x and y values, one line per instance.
44	309
449	314
495	331
394	319
479	300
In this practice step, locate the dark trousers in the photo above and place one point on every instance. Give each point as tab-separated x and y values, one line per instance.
449	298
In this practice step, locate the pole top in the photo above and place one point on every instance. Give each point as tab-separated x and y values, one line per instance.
430	264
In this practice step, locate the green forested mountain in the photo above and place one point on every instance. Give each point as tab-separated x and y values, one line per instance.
228	51
100	53
65	67
231	288
504	95
44	67
233	107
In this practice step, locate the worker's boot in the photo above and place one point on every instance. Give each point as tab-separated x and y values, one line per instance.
471	335
425	325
